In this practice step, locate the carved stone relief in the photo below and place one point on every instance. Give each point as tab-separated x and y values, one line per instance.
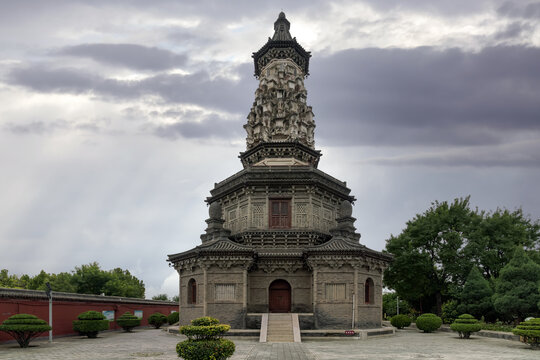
279	112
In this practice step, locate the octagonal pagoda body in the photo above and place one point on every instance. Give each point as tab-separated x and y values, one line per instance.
280	236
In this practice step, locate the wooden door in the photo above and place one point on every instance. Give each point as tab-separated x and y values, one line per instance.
280	213
279	297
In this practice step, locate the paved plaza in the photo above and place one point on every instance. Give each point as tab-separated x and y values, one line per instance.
158	345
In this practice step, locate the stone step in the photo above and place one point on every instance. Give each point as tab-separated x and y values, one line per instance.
280	328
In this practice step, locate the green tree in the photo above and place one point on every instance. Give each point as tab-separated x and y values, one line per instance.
476	296
86	279
516	290
62	282
494	237
90	279
160	297
122	283
390	305
8	281
428	263
38	282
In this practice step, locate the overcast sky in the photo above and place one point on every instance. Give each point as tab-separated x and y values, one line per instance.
117	117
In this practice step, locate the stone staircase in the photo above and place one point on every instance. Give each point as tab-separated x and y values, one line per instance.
280	328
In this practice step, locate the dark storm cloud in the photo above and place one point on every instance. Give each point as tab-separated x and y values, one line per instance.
43	79
526	10
37	127
425	96
451	8
198	88
522	155
420	96
513	31
127	55
208	127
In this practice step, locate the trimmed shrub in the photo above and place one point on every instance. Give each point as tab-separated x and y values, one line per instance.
204	321
24	327
529	332
465	325
428	322
449	312
204	340
400	321
90	323
207	349
173	318
157	319
128	321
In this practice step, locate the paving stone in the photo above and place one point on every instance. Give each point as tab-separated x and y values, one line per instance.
158	345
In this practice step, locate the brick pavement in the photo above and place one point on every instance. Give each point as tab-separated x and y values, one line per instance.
158	345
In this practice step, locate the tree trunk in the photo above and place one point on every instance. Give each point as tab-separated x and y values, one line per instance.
438	298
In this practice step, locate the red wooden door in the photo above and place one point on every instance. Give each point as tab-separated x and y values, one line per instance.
280	214
279	299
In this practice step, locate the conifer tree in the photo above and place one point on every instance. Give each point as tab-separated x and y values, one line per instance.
476	295
516	291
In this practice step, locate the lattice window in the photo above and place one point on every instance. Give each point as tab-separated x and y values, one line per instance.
301	215
335	292
327	219
316	216
232	220
257	215
225	292
243	217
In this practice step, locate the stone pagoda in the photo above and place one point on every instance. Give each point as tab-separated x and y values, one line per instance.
280	235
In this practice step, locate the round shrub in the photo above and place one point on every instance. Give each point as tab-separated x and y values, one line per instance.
128	321
204	321
24	327
173	318
204	340
157	319
428	322
205	349
400	321
90	323
465	325
529	332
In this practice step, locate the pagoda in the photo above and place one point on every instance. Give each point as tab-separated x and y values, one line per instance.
280	236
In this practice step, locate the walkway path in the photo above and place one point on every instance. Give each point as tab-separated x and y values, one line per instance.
158	345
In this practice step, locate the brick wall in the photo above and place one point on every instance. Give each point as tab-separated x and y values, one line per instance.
67	306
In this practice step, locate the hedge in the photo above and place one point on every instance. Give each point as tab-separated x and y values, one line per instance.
529	332
90	323
173	318
128	321
465	325
24	327
204	340
205	349
428	322
157	319
400	321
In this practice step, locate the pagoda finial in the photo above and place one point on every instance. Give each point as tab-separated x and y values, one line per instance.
281	28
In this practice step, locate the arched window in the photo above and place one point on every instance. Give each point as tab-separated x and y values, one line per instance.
369	292
192	291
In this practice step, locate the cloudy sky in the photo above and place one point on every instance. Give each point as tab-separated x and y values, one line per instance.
117	117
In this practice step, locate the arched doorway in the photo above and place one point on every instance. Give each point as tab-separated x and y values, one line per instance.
279	297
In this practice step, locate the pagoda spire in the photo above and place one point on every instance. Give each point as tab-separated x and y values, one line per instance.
281	28
280	126
282	46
